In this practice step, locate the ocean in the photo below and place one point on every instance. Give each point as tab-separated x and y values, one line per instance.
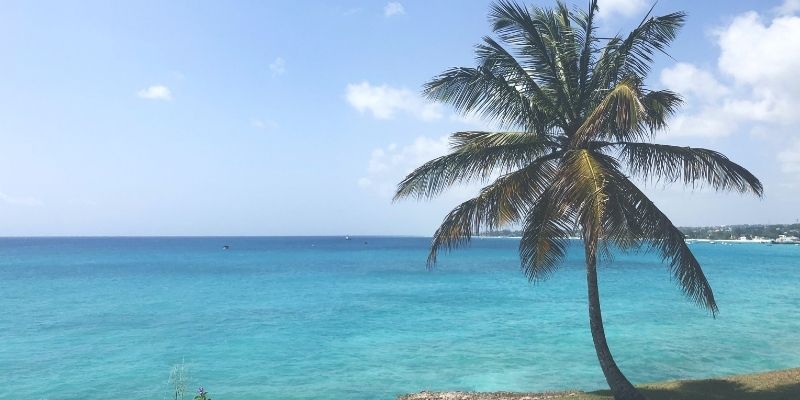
328	318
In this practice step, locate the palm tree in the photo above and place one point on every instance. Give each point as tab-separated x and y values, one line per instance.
577	125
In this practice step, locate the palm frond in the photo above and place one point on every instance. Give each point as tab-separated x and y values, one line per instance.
694	166
634	54
545	235
475	156
530	33
504	201
661	234
585	21
585	180
482	92
659	105
617	115
496	58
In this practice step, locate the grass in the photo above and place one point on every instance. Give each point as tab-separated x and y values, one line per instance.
773	385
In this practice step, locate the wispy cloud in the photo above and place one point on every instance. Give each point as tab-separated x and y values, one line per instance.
263	124
393	8
384	102
351	11
625	8
278	67
790	158
155	92
788	7
387	165
20	200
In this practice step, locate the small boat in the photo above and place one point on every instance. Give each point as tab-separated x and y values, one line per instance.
347	238
226	247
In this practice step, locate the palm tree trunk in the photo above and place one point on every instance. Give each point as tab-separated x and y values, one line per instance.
621	387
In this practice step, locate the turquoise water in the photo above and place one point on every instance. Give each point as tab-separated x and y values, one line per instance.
325	318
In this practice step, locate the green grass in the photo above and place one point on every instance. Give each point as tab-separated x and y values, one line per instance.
773	385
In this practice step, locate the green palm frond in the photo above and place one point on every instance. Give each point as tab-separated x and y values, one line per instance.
529	32
505	201
661	234
545	235
583	181
475	156
659	105
633	55
691	165
587	39
617	115
482	92
493	56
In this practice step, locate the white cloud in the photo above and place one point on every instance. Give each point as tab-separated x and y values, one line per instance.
706	123
20	201
704	112
755	84
155	92
388	165
757	52
393	8
687	79
788	7
625	8
264	125
790	159
278	67
384	102
764	56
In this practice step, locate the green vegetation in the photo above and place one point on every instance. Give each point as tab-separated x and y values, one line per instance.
202	394
775	385
722	232
576	122
737	231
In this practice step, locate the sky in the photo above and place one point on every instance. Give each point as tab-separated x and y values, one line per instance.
300	117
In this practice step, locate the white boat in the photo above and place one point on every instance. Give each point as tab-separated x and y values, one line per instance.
785	239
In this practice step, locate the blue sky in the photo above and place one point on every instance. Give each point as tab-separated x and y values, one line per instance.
293	118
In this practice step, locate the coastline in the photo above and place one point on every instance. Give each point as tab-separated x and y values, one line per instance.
710	241
769	385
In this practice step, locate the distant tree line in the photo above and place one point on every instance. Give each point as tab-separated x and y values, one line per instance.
737	231
722	232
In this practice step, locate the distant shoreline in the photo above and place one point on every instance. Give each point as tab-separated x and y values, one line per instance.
737	241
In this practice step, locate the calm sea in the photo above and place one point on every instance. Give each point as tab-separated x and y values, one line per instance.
326	318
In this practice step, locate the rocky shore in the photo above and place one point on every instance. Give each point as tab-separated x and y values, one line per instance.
770	385
487	396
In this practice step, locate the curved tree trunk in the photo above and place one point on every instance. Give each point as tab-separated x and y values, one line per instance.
620	386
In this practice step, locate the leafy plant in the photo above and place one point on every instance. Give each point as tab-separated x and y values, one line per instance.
202	394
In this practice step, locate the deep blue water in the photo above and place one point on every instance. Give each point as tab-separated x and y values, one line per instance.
325	318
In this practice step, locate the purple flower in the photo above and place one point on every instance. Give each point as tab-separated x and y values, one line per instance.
201	390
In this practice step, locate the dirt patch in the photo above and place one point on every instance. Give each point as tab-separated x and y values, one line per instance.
487	396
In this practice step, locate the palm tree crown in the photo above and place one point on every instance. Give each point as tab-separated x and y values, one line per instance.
580	122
